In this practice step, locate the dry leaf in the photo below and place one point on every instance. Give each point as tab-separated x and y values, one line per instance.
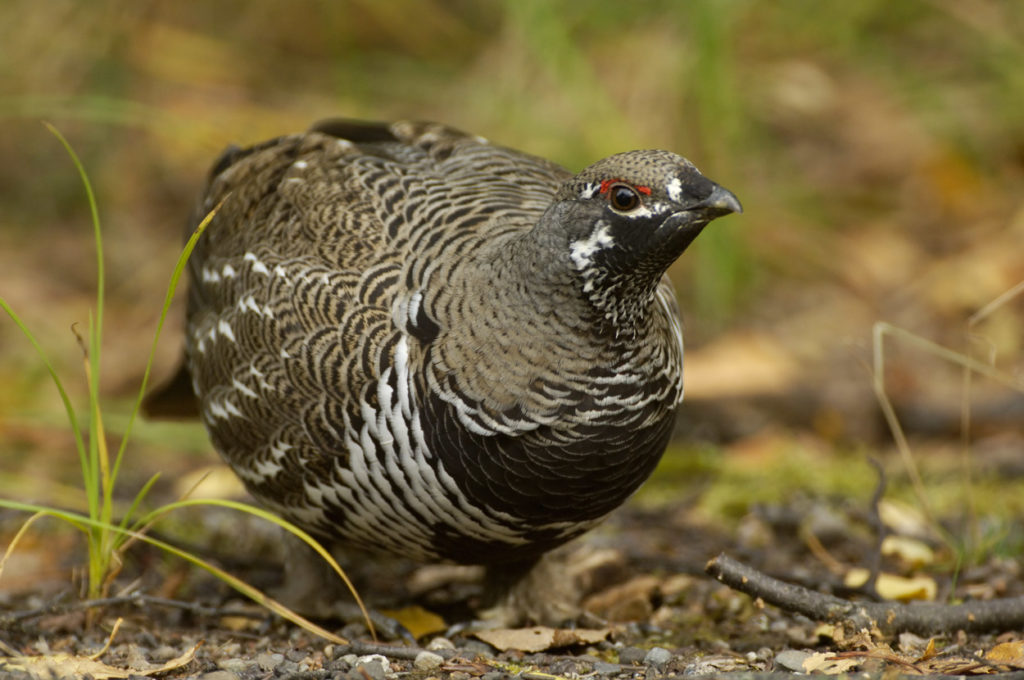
1007	652
63	666
826	663
828	631
929	651
893	587
629	601
541	638
903	519
417	620
70	666
913	552
239	624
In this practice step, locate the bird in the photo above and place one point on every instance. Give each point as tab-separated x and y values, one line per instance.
404	338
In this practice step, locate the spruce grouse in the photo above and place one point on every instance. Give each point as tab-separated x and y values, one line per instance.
405	338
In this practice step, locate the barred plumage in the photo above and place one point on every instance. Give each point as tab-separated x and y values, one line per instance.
408	339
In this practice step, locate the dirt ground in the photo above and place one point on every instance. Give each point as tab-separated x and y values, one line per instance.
652	610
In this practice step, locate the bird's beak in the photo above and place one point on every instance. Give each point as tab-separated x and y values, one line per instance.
720	202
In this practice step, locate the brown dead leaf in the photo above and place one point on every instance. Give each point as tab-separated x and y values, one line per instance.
1008	653
929	651
541	638
630	601
70	666
62	666
828	664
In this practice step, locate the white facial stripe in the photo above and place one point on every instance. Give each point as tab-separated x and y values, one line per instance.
674	190
582	251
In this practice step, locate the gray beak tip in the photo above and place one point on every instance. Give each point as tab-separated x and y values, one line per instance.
721	199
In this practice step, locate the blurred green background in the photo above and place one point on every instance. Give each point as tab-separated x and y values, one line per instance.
878	148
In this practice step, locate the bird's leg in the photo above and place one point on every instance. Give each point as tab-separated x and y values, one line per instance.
540	590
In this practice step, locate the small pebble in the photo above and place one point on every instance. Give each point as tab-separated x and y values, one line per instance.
605	668
235	665
494	675
428	661
287	668
374	668
440	643
230	648
219	675
657	657
164	653
338	665
268	662
631	656
565	668
791	659
479	647
379	658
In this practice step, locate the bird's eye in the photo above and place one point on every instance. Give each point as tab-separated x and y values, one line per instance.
624	197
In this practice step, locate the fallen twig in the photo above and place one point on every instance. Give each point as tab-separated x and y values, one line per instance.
405	652
920	618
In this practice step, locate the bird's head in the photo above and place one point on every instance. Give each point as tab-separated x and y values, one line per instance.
625	219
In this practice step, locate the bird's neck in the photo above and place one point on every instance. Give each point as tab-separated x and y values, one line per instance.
608	305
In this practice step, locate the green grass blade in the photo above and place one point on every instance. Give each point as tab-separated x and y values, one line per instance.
179	269
101	498
96	326
97	235
139	497
273	519
68	408
244	588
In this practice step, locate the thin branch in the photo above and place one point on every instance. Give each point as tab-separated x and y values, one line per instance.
871	586
920	618
404	652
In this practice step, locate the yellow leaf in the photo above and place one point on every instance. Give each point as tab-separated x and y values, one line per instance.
903	519
1007	652
929	650
910	550
893	587
827	631
417	620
